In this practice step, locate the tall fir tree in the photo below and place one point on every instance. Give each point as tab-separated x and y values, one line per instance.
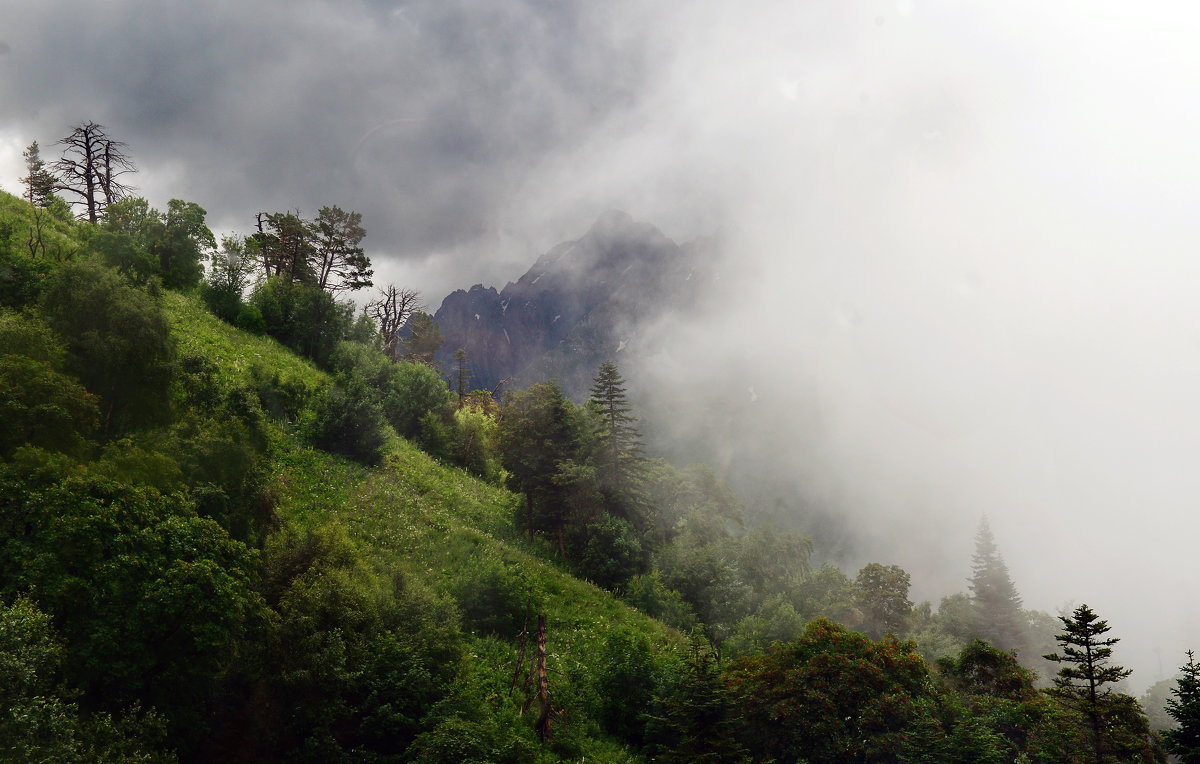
697	717
997	606
1084	683
1184	708
619	453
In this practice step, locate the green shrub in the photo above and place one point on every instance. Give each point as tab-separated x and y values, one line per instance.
348	420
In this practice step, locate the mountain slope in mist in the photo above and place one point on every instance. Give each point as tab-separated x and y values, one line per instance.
581	303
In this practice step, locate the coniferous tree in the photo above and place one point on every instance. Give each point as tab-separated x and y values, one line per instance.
1184	740
698	721
339	262
998	615
619	447
39	183
1084	682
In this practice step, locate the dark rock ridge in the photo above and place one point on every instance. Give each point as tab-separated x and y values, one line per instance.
583	302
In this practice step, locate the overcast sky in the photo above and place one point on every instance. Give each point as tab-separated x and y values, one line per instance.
960	235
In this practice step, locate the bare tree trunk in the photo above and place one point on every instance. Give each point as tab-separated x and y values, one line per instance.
542	726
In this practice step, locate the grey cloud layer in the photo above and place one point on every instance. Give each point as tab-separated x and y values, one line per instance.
422	115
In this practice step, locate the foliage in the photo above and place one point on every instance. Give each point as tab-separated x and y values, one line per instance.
618	444
42	407
539	428
39	182
349	420
608	552
650	595
496	596
474	445
832	695
359	656
694	715
340	263
1184	708
302	316
882	594
149	596
37	721
1117	726
776	620
39	405
228	276
118	340
171	245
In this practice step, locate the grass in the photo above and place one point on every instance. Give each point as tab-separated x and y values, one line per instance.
234	352
60	238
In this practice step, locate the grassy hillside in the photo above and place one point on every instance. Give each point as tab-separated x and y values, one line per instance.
437	524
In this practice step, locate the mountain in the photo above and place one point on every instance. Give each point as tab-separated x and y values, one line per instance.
583	302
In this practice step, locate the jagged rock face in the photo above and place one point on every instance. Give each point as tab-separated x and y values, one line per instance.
581	303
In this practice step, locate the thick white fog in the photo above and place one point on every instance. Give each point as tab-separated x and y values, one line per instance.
960	245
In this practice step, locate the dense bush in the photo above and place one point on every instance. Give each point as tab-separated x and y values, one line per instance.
302	316
348	420
118	339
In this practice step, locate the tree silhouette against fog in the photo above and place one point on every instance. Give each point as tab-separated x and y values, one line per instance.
998	615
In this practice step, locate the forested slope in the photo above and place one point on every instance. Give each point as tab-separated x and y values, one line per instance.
240	522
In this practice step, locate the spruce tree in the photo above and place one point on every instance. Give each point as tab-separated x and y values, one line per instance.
697	718
39	183
619	446
997	606
1184	740
1084	682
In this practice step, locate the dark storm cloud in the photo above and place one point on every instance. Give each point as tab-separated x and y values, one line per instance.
418	114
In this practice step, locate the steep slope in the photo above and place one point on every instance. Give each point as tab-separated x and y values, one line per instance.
418	519
581	303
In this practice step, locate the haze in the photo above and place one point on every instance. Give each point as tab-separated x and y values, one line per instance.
960	273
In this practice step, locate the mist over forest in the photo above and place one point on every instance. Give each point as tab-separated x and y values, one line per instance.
939	268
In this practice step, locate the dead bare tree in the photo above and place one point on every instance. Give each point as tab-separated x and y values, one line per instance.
390	311
89	168
537	675
37	247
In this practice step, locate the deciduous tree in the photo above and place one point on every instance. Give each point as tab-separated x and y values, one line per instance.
882	594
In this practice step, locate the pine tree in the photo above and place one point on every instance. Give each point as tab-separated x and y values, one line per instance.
39	183
1084	682
1184	740
697	720
997	606
619	445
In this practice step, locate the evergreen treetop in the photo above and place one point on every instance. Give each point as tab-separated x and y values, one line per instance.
1184	740
998	615
1085	680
